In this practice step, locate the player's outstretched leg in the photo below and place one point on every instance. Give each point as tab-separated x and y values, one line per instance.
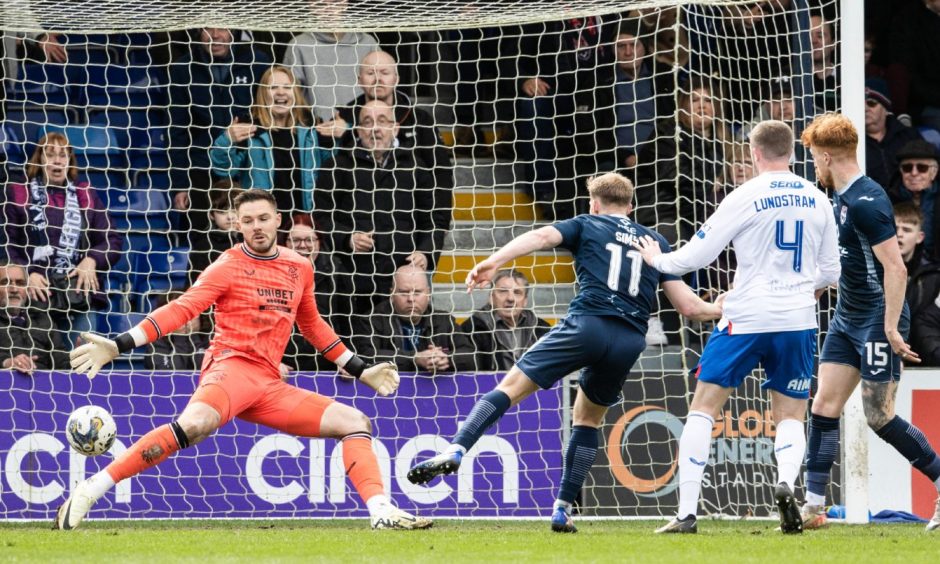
693	456
152	449
487	411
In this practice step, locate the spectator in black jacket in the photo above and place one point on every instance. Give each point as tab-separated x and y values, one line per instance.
378	78
914	49
209	245
923	274
407	331
560	65
182	349
678	165
377	210
918	164
210	86
638	93
884	135
27	339
328	286
504	328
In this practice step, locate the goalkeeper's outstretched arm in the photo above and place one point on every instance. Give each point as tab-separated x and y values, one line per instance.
540	239
99	351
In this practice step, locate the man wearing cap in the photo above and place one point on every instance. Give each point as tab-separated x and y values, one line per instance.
884	135
916	183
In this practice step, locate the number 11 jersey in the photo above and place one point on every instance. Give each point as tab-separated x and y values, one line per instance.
613	280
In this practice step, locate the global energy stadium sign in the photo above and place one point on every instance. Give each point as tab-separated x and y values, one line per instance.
249	471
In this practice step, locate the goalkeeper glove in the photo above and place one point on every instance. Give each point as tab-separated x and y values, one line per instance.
90	357
383	378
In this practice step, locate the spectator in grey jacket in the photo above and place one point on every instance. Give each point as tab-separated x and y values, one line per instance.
407	331
327	65
504	329
27	339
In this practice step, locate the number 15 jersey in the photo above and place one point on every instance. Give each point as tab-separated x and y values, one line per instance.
786	245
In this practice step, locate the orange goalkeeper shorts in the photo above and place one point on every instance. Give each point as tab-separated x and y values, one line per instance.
238	387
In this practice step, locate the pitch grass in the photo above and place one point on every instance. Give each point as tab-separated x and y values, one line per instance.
459	541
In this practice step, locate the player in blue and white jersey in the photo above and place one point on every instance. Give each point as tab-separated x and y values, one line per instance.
866	339
784	239
602	335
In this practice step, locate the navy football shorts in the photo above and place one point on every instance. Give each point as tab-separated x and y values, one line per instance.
863	345
787	358
603	348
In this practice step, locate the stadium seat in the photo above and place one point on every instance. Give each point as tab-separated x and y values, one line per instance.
931	135
27	120
106	181
115	323
160	271
42	83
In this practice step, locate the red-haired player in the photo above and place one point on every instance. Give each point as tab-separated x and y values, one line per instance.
259	290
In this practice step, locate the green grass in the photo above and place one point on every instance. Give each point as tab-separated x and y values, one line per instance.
459	541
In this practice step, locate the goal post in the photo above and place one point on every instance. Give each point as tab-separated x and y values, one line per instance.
503	110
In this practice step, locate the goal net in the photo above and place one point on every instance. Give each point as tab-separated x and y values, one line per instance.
428	133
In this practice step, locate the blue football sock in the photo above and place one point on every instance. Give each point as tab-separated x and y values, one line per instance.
821	452
487	411
579	457
913	445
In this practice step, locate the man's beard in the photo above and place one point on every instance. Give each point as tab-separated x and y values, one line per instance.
260	250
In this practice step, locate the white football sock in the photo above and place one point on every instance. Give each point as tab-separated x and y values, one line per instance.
694	446
789	448
378	504
815	499
99	484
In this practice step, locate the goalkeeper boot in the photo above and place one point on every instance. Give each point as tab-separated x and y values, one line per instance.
934	523
444	463
688	525
562	522
814	516
395	518
791	522
75	508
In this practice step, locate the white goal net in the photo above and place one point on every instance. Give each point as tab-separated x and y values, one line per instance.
431	132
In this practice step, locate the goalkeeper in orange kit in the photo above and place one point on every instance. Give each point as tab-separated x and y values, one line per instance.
259	290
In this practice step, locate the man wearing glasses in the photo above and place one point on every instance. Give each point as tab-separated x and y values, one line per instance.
917	184
27	341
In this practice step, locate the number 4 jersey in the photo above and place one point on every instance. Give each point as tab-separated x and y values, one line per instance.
613	280
786	245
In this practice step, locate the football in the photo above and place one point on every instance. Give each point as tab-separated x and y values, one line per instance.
90	430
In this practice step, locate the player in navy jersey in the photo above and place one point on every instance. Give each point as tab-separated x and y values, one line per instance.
784	239
602	335
866	339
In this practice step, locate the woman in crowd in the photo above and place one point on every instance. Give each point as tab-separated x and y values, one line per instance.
58	228
276	148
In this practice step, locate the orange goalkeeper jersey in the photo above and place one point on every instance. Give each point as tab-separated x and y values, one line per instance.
257	300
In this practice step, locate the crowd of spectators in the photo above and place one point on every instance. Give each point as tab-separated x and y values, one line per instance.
365	181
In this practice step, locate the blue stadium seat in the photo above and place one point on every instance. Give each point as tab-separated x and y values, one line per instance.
14	152
95	146
106	181
160	271
115	323
931	135
42	83
27	121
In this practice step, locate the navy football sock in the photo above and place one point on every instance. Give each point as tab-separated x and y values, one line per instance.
821	452
579	457
487	411
913	445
